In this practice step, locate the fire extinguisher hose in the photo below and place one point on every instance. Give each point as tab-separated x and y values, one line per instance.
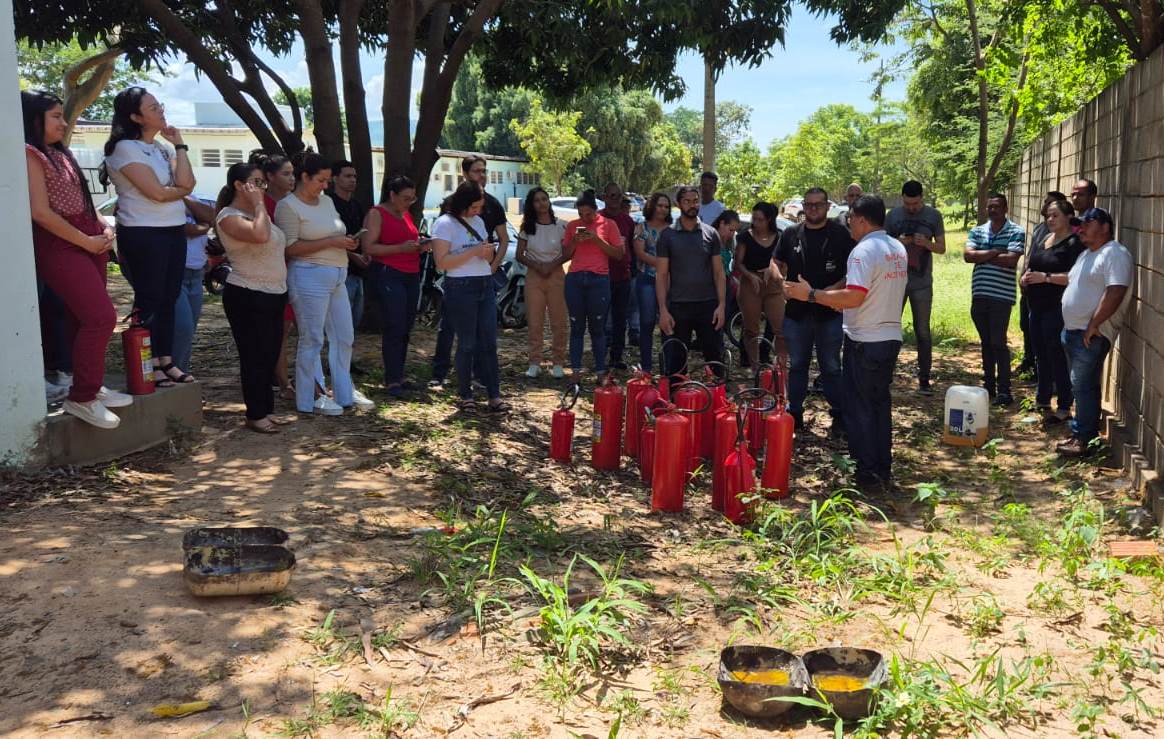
663	361
569	397
708	399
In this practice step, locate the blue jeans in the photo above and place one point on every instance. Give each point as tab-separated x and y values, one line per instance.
800	336
1086	368
320	299
471	305
588	301
187	311
355	285
396	293
1045	329
868	373
648	304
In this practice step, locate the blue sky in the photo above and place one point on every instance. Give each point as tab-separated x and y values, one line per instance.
811	71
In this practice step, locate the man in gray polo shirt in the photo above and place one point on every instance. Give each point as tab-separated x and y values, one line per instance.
690	284
875	280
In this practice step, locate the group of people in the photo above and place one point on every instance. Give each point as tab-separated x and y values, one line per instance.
303	252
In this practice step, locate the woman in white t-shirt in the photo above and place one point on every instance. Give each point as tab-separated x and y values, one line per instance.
152	181
317	272
539	248
461	251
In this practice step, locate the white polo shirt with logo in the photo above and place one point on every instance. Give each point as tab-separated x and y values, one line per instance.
879	267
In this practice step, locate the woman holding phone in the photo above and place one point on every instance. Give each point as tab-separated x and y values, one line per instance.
590	242
392	241
461	250
317	247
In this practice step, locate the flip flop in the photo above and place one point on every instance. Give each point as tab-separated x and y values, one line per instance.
259	429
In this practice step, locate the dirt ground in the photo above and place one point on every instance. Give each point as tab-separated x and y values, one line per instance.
98	626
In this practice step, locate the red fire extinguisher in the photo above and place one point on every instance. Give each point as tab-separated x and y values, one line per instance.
779	430
647	399
672	456
718	387
562	426
606	439
725	438
739	475
695	398
647	444
639	383
139	365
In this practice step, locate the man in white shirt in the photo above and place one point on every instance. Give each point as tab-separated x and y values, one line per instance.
875	280
709	207
1093	308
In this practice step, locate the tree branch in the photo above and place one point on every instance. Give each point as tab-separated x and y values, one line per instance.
1012	118
1125	29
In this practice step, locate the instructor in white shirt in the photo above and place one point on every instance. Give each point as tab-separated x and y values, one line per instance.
876	276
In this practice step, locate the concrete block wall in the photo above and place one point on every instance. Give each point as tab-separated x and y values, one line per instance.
1117	140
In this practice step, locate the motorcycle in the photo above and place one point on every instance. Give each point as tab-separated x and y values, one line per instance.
510	281
217	267
430	300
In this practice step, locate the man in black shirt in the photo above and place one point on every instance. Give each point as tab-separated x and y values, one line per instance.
351	212
817	249
474	168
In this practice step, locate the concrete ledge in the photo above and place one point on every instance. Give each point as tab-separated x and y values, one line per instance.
151	420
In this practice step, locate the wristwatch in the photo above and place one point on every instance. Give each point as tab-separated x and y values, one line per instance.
181	147
812	295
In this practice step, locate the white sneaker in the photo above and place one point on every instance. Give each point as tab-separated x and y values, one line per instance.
533	371
558	372
113	399
54	393
64	379
327	407
93	413
361	401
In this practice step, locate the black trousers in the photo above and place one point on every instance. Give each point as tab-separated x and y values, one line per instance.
991	318
154	260
620	297
867	372
692	318
256	321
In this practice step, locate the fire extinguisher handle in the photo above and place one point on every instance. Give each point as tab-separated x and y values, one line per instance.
570	397
649	410
682	370
744	399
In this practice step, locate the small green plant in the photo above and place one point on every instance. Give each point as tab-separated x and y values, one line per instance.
985	617
585	633
627	707
389	718
1052	597
990	448
331	645
387	639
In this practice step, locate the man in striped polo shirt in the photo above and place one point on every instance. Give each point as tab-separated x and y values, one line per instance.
994	248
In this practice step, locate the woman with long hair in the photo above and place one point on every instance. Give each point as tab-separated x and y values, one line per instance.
539	248
1045	281
590	242
256	288
152	182
761	284
279	176
71	247
656	218
462	251
317	247
392	240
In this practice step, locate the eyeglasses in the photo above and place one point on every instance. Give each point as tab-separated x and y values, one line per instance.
258	182
816	205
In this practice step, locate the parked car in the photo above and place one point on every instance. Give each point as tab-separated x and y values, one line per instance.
792	209
564	208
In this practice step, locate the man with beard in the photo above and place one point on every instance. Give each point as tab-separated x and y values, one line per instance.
689	284
817	250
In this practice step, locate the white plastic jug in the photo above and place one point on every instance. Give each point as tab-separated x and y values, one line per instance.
966	421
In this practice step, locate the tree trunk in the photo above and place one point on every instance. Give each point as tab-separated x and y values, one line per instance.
398	61
355	107
708	117
983	111
80	95
329	131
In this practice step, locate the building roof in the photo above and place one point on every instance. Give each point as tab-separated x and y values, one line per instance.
459	154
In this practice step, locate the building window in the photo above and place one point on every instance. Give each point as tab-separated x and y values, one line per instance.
231	156
446	167
495	177
436	177
448	183
211	158
537	178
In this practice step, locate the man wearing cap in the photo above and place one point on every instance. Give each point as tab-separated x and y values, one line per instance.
1093	308
922	231
875	279
994	248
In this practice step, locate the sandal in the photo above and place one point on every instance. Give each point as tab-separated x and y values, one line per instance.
262	426
182	378
161	379
287	393
466	404
280	421
499	407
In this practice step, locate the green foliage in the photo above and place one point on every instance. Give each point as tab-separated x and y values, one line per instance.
551	141
733	122
302	99
745	176
622	126
44	67
583	634
824	152
479	116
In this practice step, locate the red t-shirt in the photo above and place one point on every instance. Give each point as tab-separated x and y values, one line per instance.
620	269
588	256
395	230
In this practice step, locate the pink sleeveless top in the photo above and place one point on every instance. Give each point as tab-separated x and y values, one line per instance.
66	196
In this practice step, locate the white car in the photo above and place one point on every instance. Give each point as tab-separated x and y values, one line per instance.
564	208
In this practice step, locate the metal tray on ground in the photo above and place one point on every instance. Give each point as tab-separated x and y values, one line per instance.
760	700
234	536
863	664
237	570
